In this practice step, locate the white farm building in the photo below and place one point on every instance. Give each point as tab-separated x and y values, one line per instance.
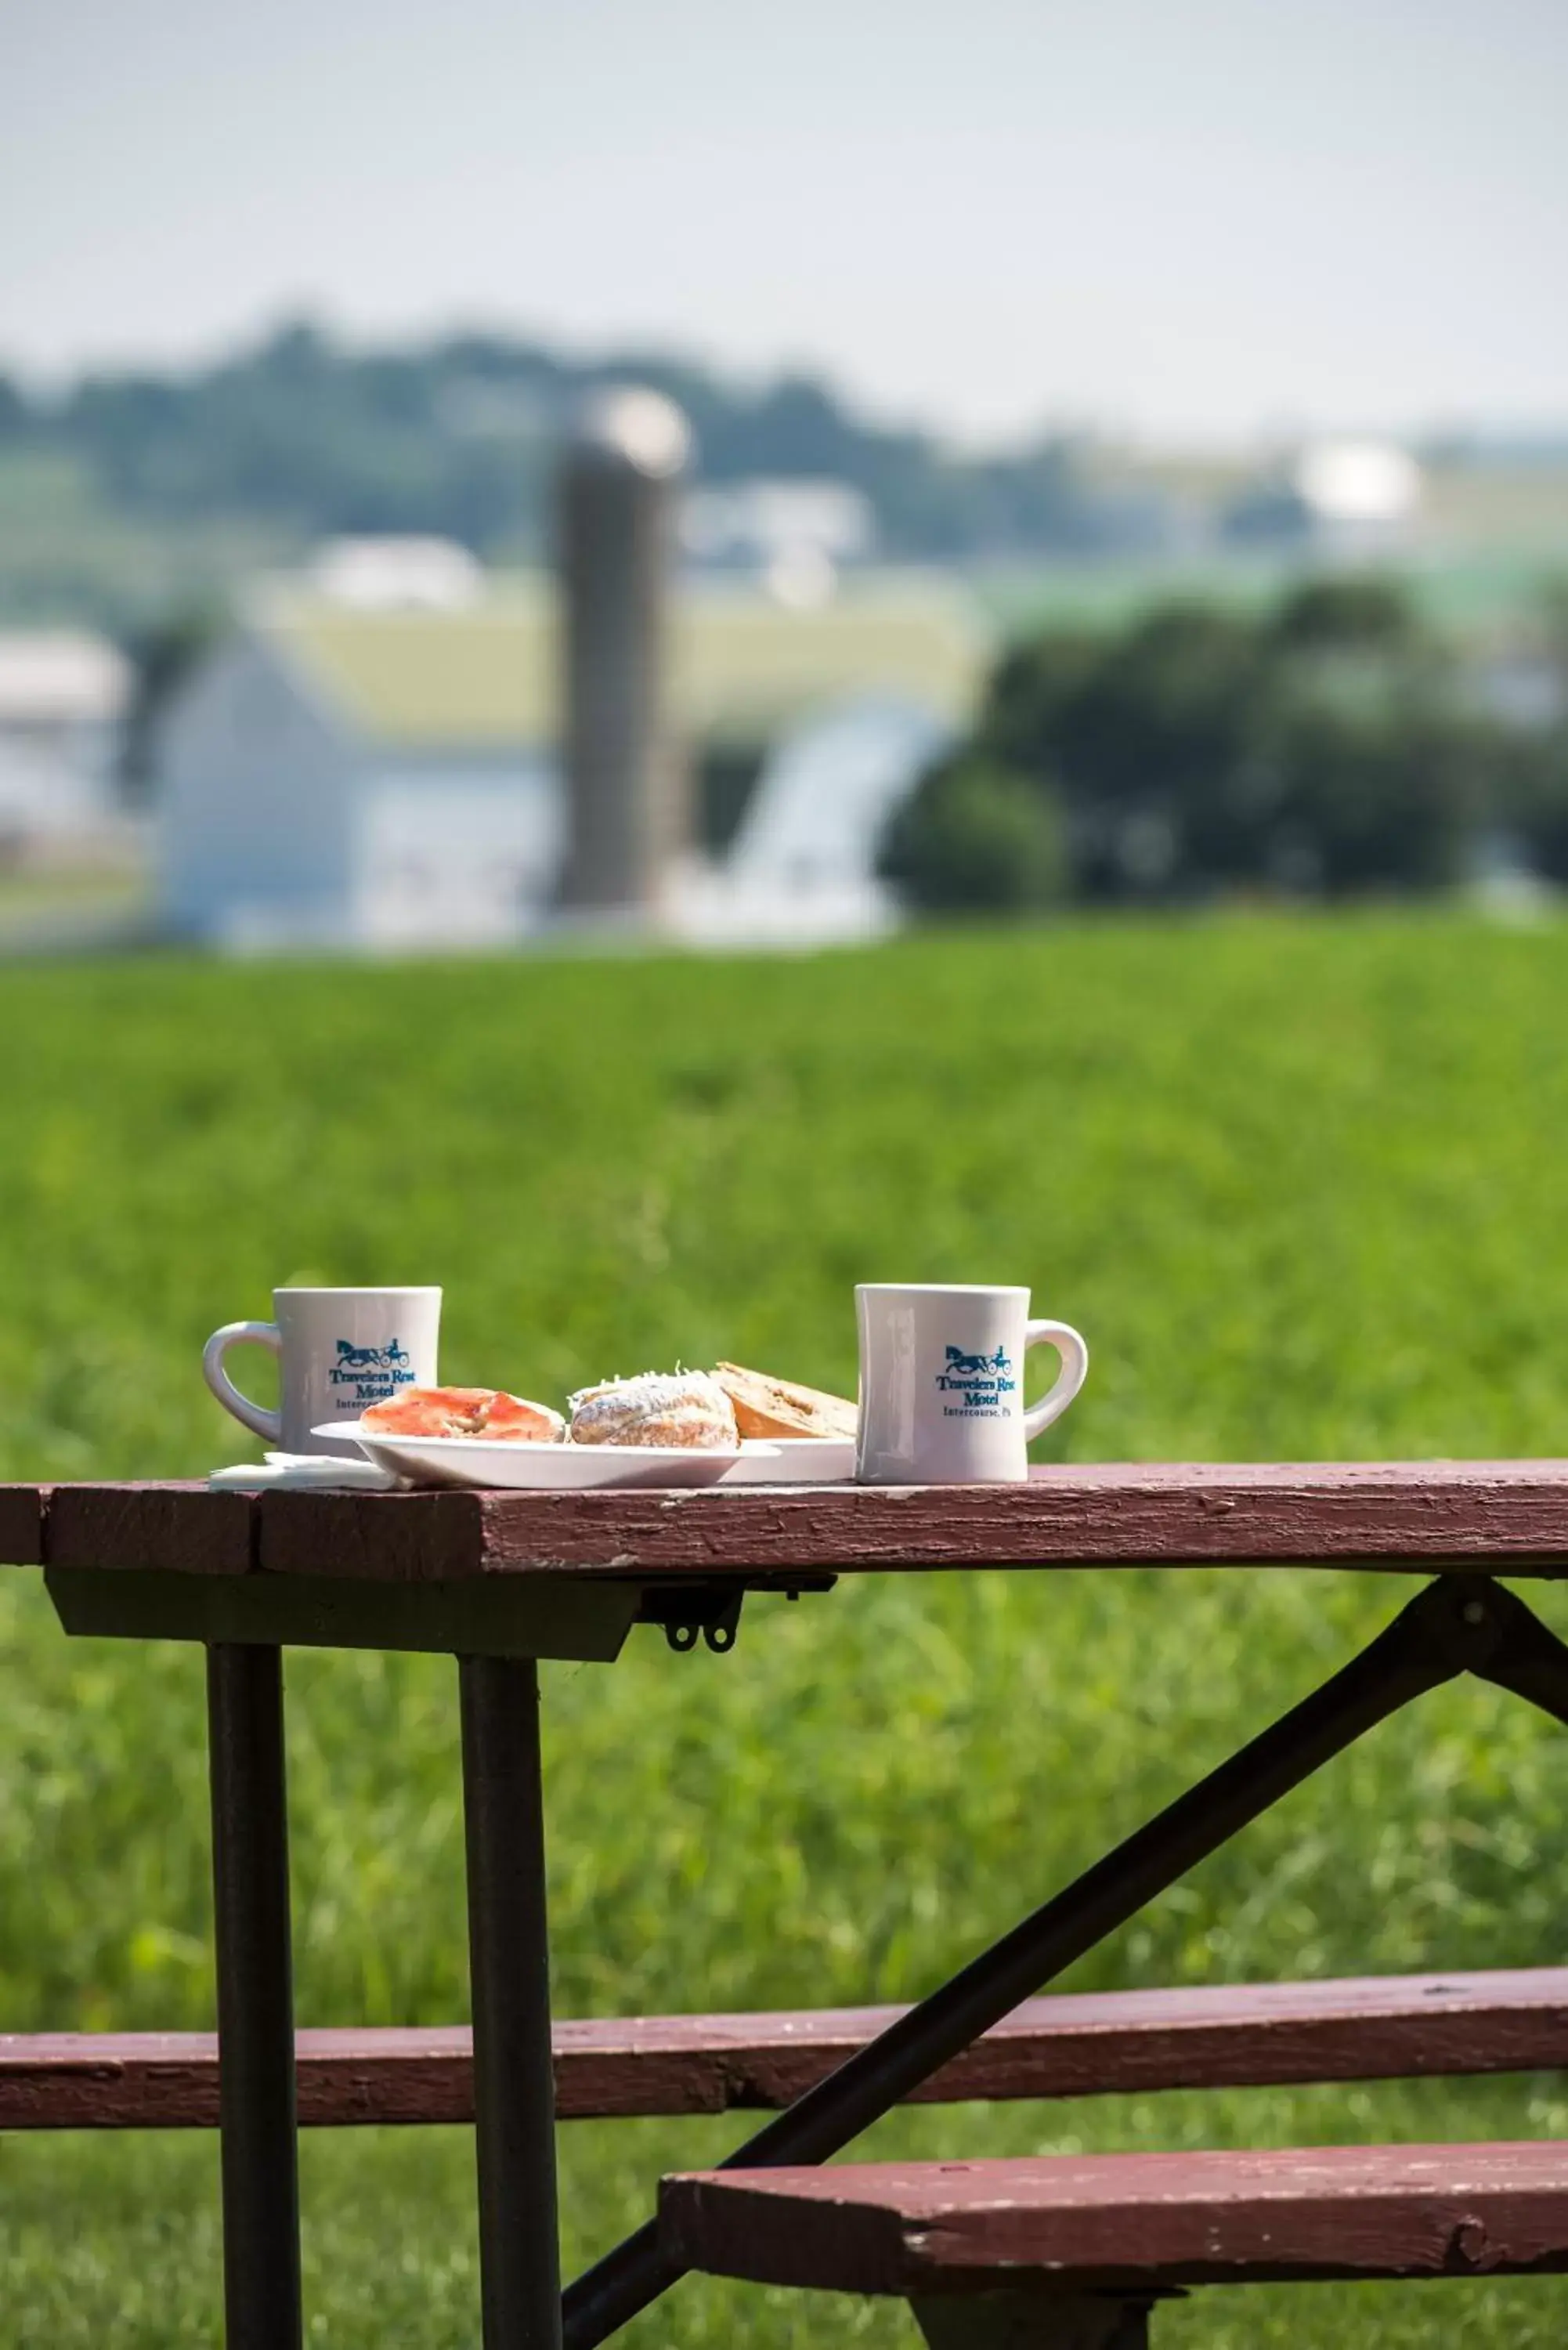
63	700
357	774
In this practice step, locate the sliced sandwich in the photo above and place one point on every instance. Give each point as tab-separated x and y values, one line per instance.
778	1409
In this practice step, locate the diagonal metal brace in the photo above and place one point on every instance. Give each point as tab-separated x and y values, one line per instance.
1506	1642
1458	1624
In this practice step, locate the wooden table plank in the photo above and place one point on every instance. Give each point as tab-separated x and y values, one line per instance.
22	1508
1414	1517
1509	1517
401	1538
1462	1515
176	1527
1126	2219
1247	2036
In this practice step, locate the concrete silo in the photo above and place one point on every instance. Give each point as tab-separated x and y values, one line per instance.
628	780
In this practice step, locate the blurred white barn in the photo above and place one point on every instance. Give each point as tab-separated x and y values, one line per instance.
793	535
1340	500
352	771
802	865
63	698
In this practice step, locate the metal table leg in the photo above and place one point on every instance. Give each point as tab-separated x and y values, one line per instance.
509	1962
255	1998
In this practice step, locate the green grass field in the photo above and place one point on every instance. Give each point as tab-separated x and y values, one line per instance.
1300	1184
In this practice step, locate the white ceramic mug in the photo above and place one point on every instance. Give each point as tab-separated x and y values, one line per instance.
338	1350
942	1383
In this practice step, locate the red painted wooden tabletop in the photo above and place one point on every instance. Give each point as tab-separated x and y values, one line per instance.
1408	1517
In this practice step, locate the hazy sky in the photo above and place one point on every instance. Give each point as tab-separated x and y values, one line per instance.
1183	219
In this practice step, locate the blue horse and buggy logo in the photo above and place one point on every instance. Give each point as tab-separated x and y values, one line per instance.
979	1366
372	1372
390	1357
976	1383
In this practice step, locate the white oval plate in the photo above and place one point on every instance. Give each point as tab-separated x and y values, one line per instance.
794	1461
541	1468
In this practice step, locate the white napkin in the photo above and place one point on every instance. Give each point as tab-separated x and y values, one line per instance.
304	1473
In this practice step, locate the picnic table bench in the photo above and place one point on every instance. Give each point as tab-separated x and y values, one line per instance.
1208	2036
1072	2251
502	1579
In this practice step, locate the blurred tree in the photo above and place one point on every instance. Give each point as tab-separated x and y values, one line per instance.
454	434
1360	610
1551	637
15	416
1535	764
976	836
1382	796
1152	747
1032	689
727	775
1322	745
1537	803
162	656
1377	765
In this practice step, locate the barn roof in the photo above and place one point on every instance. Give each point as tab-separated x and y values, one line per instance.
54	676
484	676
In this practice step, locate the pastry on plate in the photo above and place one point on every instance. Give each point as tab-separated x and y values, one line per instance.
681	1407
488	1414
778	1409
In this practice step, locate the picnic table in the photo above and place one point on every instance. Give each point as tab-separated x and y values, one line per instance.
501	1580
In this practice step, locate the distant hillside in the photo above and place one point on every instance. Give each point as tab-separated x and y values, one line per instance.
187	473
129	495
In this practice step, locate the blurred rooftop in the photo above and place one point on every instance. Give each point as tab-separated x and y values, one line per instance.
56	677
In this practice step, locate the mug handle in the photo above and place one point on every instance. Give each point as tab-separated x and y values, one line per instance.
235	1334
1074	1370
